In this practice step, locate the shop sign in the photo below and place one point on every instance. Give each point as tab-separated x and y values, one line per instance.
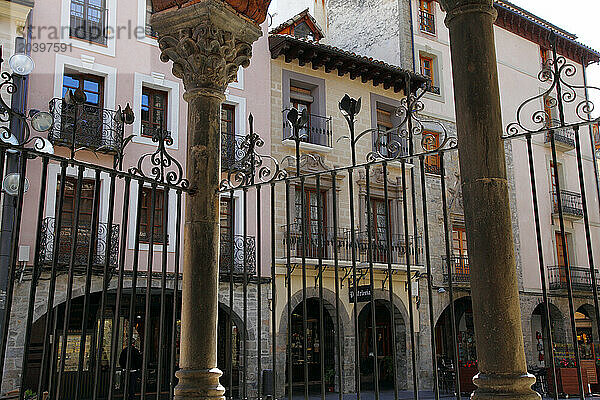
363	293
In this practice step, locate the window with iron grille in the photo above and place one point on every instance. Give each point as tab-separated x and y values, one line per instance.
88	20
228	139
154	111
146	216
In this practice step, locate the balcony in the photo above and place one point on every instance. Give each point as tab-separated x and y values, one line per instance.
236	255
563	137
581	278
93	127
326	247
318	130
427	21
461	275
572	207
434	89
84	238
231	150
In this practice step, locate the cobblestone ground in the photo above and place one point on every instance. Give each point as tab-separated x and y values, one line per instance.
405	394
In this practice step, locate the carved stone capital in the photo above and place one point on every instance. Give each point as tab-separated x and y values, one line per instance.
455	8
207	43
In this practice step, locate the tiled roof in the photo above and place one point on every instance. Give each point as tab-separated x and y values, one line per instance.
295	19
334	58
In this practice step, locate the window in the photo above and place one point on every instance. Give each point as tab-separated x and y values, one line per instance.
459	250
228	139
380	222
302	30
149	11
85	122
227	213
146	216
385	135
92	86
544	56
312	224
154	111
596	133
561	251
432	142
88	20
428	70
86	202
426	16
301	99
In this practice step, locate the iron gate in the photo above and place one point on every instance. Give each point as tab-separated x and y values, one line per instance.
328	284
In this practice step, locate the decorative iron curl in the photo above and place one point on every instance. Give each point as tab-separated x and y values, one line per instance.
251	166
556	73
163	168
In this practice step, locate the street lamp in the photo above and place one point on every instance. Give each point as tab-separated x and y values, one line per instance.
21	64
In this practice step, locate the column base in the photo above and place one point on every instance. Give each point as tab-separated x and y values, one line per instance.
199	385
494	387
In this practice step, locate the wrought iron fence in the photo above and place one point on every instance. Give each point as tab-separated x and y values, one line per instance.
231	150
288	324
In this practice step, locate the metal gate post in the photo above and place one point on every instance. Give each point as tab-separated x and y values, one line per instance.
207	42
494	288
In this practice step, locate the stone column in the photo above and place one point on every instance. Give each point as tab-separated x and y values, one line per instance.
496	311
207	42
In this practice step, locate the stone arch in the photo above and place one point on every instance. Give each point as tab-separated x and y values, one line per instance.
329	304
401	328
536	319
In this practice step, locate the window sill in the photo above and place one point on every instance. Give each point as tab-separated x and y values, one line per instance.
429	34
308	146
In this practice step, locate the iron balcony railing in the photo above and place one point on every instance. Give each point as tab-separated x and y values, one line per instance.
324	245
88	21
564	137
93	127
427	21
231	150
317	131
237	254
581	278
571	202
99	244
460	269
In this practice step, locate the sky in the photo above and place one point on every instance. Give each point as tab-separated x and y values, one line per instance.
579	17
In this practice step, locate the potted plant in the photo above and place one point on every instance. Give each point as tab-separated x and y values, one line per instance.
330	379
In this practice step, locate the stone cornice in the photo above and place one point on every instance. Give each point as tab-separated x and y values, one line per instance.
207	43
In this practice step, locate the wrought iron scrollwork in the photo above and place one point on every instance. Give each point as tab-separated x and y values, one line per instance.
398	142
252	166
560	93
160	166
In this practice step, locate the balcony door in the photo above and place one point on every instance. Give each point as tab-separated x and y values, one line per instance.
84	225
84	120
311	221
379	224
227	212
88	20
228	139
561	253
301	99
